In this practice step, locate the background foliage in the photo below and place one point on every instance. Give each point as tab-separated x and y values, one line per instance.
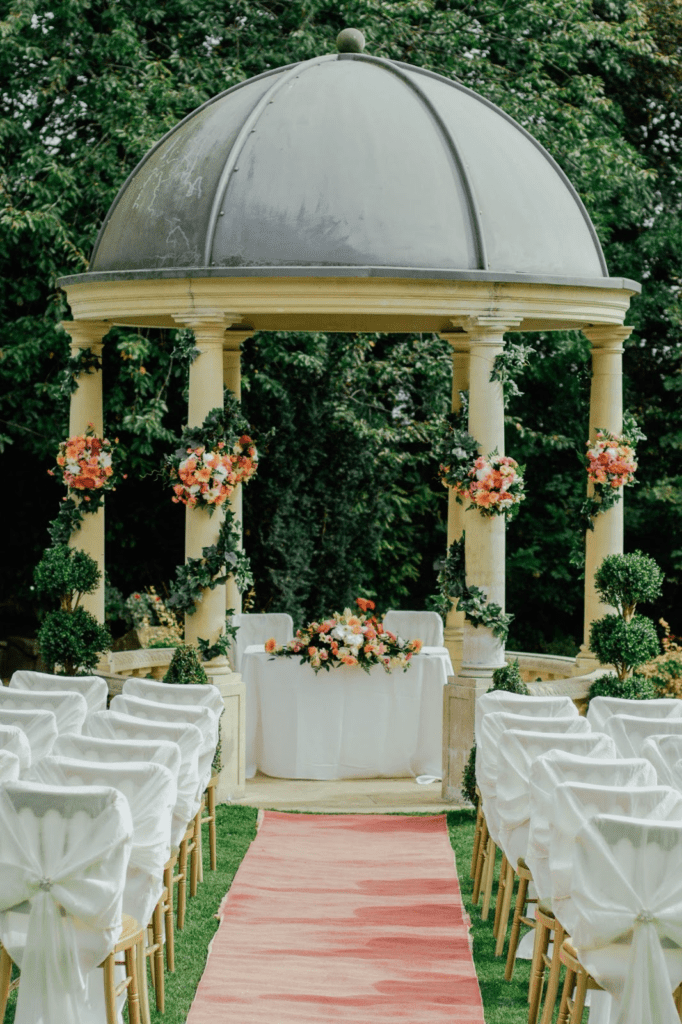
346	502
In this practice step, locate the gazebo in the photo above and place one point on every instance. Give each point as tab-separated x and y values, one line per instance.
353	193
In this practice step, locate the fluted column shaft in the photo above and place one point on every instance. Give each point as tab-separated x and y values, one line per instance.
87	407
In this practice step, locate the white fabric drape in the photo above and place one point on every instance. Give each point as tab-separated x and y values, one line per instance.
176	693
93	688
549	771
256	629
154	711
518	704
60	848
9	766
40	728
424	626
92	748
13	739
602	708
151	792
627	894
630	732
69	708
493	727
664	753
112	725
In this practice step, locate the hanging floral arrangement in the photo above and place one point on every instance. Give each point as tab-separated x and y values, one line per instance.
493	485
212	459
611	464
85	464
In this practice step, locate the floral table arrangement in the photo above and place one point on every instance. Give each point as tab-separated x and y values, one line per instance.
348	638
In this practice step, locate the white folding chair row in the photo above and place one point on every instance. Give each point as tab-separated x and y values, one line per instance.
9	766
665	754
64	854
69	708
602	708
13	739
93	688
40	728
176	693
518	704
630	732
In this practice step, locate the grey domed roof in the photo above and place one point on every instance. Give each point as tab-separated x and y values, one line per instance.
349	163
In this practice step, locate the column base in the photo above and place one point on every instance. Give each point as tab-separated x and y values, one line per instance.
232	782
454	642
459	711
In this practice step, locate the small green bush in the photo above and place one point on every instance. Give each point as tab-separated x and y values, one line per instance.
65	573
626	645
509	678
72	640
623	581
664	673
185	667
634	688
469	778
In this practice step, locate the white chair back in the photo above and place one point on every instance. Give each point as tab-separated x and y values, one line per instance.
557	766
664	753
151	792
576	804
9	767
518	704
13	739
93	688
256	629
517	752
69	708
601	708
111	725
39	726
101	751
629	733
627	893
63	859
176	693
424	626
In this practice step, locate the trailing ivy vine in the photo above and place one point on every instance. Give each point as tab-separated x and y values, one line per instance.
470	599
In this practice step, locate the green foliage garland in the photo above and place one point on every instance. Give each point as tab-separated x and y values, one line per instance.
470	599
507	368
218	562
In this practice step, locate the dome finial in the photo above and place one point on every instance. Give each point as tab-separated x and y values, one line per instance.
350	40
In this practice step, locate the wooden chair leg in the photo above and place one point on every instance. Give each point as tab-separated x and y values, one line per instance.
566	994
212	834
677	998
195	858
489	877
554	973
181	879
537	969
480	863
5	976
130	958
519	909
109	967
506	907
501	888
477	836
157	963
169	920
141	972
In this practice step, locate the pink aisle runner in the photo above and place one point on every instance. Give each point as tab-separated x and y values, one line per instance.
349	918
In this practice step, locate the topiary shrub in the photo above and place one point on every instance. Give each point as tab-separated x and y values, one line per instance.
634	688
185	667
70	639
625	645
624	581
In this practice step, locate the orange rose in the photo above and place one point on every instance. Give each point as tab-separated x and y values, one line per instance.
270	645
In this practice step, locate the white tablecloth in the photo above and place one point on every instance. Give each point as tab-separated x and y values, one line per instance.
343	723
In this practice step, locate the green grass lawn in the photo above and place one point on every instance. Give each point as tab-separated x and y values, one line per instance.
504	1003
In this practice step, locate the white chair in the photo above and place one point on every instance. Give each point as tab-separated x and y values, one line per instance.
93	688
626	890
13	739
63	859
175	693
665	754
9	767
424	626
601	708
629	733
69	708
39	726
256	629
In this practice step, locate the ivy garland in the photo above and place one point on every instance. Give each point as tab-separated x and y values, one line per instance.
470	600
508	366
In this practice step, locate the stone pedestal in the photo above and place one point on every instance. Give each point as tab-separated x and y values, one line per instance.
232	783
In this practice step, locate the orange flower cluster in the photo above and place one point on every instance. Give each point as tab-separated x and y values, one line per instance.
348	639
493	485
85	463
208	476
610	461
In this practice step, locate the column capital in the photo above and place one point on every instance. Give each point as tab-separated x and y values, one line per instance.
488	330
206	320
86	333
233	339
459	340
608	336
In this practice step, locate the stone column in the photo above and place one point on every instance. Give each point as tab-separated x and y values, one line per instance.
232	379
87	408
484	553
454	623
606	413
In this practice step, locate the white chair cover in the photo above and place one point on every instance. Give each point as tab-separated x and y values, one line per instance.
557	766
154	711
175	693
576	804
63	860
9	767
13	739
101	751
93	688
494	724
111	725
517	752
424	626
664	753
69	708
151	792
601	708
256	629
40	728
518	704
629	733
627	894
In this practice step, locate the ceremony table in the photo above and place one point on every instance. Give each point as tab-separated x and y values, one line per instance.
344	723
